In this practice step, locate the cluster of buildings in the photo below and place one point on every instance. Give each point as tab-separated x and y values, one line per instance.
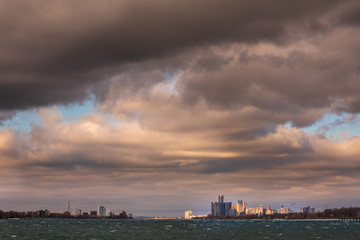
47	214
224	209
101	212
307	209
39	213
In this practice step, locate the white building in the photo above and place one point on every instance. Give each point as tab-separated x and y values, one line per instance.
189	214
284	210
78	212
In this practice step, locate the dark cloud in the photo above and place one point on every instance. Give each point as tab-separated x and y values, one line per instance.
297	82
239	165
251	133
347	14
53	52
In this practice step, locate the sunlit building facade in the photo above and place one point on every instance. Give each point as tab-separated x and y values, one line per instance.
250	211
241	207
270	211
189	214
259	210
284	210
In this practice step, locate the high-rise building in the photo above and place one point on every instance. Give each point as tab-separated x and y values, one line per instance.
102	211
227	206
241	207
220	208
216	209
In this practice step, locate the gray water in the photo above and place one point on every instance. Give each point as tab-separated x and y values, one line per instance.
179	229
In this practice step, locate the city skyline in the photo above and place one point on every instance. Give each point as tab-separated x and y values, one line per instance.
238	205
158	106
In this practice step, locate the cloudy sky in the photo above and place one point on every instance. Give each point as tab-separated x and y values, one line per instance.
156	107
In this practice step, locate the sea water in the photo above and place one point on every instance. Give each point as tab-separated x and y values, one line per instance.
179	229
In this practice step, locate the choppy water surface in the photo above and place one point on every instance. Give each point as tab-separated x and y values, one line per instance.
178	229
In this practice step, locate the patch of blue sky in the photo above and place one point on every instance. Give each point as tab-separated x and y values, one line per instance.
23	120
288	124
171	79
337	127
74	111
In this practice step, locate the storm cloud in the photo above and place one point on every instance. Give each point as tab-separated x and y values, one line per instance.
56	52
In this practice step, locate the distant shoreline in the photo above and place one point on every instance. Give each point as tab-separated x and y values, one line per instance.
350	213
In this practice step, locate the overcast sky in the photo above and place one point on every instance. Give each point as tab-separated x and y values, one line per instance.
156	106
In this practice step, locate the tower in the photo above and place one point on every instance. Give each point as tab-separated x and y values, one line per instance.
220	208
